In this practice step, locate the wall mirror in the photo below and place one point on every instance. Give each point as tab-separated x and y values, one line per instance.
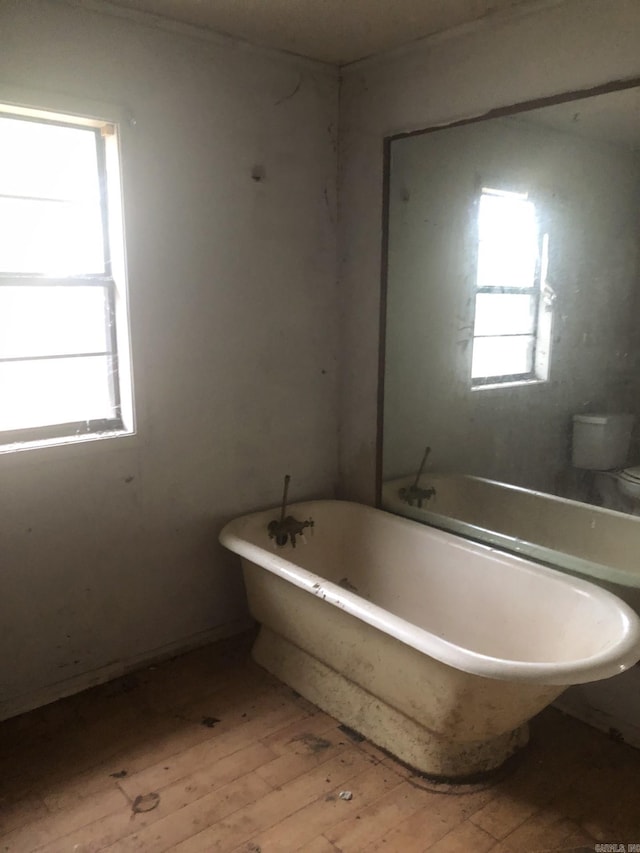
511	303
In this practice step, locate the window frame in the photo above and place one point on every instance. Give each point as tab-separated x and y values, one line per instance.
535	292
67	112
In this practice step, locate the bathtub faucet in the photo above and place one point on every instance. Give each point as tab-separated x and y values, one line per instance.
414	492
286	528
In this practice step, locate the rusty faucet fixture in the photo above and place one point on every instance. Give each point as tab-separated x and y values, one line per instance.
413	492
286	528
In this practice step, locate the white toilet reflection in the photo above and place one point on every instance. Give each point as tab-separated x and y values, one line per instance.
601	445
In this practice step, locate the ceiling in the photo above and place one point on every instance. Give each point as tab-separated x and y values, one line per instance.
334	31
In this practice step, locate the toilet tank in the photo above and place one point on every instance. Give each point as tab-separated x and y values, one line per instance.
601	441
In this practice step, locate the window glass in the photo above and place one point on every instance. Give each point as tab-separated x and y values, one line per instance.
507	299
50	205
52	320
500	356
507	241
54	391
504	314
59	300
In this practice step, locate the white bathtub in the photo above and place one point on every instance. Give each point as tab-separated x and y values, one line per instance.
595	543
437	649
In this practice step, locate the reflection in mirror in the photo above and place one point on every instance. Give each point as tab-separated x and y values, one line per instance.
512	336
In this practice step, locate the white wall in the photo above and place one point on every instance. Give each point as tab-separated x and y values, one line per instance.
108	551
575	45
233	309
588	193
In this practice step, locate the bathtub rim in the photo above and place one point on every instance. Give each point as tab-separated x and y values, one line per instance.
612	660
550	557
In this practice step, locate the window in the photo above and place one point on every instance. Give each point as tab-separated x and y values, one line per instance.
511	332
63	341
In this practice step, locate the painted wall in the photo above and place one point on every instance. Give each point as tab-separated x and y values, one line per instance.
574	45
108	551
588	194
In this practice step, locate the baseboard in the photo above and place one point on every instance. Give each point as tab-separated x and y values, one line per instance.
60	689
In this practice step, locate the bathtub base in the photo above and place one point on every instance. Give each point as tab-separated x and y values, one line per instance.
385	726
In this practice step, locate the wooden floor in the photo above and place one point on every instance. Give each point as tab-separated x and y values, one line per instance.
209	753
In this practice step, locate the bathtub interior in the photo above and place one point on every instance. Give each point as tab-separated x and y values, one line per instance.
464	593
592	541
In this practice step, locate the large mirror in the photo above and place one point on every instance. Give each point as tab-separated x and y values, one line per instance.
512	329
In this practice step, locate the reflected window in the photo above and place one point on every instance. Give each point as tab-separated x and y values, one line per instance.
61	280
510	337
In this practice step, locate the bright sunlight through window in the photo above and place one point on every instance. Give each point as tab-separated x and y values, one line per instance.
61	280
510	340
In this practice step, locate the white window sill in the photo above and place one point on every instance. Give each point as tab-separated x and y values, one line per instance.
88	442
512	384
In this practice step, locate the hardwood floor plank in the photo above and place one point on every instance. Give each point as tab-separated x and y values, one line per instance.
532	788
545	830
80	745
311	821
605	766
361	831
215	776
50	828
183	822
274	715
66	785
314	725
279	804
159	742
465	837
319	845
19	810
241	763
440	814
306	753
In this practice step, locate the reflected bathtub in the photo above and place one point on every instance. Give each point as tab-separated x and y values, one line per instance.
589	541
437	649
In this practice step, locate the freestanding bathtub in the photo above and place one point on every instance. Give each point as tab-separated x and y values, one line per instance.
437	649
